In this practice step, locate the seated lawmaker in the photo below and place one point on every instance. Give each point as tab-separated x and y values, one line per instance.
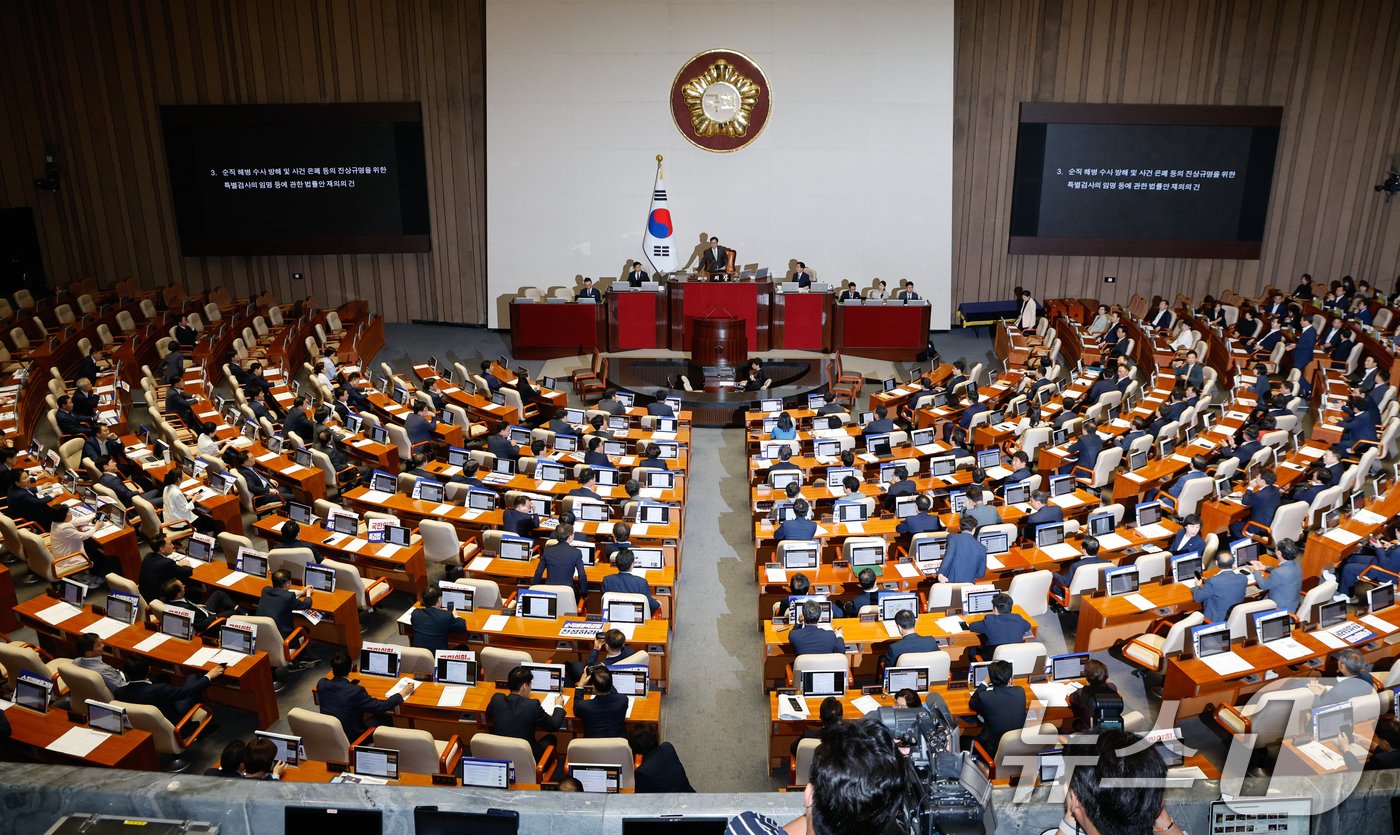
1222	591
1090	546
626	582
909	639
1002	626
348	701
433	625
809	638
924	521
999	705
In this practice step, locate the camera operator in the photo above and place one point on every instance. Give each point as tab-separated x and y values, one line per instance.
1112	792
857	786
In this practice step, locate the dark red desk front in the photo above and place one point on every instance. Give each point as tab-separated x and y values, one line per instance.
889	332
543	331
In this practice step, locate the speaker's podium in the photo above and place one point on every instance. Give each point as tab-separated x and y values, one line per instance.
719	345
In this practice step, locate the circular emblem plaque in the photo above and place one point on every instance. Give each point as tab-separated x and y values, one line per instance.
720	100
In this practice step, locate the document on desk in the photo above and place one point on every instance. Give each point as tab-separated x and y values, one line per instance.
792	708
1287	648
452	696
1054	693
1153	532
57	613
1379	624
868	458
928	449
354	545
232	578
952	623
265	457
388	549
631	705
472	513
627	629
77	742
891	628
1320	754
858	528
398	688
1068	500
1227	664
865	704
201	656
295	469
640	529
496	623
105	627
1062	551
1112	542
316	617
374	496
1184	775
480	564
1141	603
1345	537
995	564
1367	517
775	575
907	569
152	642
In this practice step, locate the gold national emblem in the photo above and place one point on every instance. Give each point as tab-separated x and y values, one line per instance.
721	101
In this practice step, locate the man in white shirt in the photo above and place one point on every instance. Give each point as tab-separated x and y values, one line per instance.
90	648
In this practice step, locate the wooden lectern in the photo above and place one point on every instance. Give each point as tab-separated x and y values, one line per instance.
718	345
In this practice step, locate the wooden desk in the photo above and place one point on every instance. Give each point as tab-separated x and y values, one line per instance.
1194	684
32	733
245	686
405	568
542	331
340	626
510	575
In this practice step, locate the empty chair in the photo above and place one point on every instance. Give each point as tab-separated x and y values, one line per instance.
368	593
414	661
496	663
441	545
568	598
323	736
1017	750
802	761
419	753
17	656
1031	591
605	751
519	753
1150	650
171	738
282	653
938	663
1026	659
819	662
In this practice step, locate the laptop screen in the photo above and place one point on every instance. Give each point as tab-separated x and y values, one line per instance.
823	682
1068	666
376	762
906	678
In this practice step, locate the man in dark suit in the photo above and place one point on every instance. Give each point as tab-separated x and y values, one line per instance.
85	400
1222	591
264	493
626	582
1192	373
1367	380
908	294
809	638
715	259
1244	451
185	334
1115	333
432	624
964	558
1272	337
1090	546
419	426
1042	513
850	293
299	421
1161	318
660	408
24	504
900	485
637	276
595	457
290	537
1307	488
799	527
70	422
869	594
111	478
1002	626
652	458
1359	424
802	277
500	445
604	715
1104	384
1001	707
172	702
909	639
881	425
610	403
1067	414
348	701
924	521
1379	390
1333	464
181	405
1020	468
159	567
1196	469
560	563
660	771
1332	334
1284	582
518	519
588	291
1276	305
1262	498
172	367
1303	347
1085	449
517	715
91	366
278	601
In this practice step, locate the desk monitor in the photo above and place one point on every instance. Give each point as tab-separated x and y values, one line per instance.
250	430
1122	580
826	447
1101	524
161	449
1331	721
123	607
32	693
1166	447
589	511
274	446
865	417
514	548
566	443
650	513
847	512
241	641
647	559
988	458
878	444
929	550
1137	459
352	422
626	398
803	557
1067	667
320	577
996	542
1148	513
177	624
1210	639
1061	485
1331	613
795	602
957	501
1050	766
537	604
1185	566
375	762
906	506
1380	598
383	482
1244	551
631	680
379	662
866	555
1059	436
109	718
1018	492
607	476
836	475
289	747
771	406
668	424
549	383
398	535
816	401
1050	534
457	598
670	450
379	434
503	466
979	672
340	821
597	778
73	592
923	437
430	491
783	511
823	682
476	771
549	471
481	499
545	678
979	602
894	602
626	611
890	468
1285	815
519	435
889	384
769	424
660	479
619	423
906	678
456	671
299	513
780	479
1271	626
251	562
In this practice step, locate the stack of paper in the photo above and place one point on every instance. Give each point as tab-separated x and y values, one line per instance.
1063	551
399	686
1142	603
1345	537
792	708
1379	624
496	623
865	704
952	623
452	696
1227	664
58	613
152	642
77	742
1112	542
1288	648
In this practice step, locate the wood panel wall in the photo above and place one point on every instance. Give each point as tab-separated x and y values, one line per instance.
88	77
1331	64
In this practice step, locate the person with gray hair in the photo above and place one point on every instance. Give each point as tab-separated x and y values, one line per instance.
1353	679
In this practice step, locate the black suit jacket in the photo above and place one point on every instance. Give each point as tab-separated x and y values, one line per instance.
1002	709
87	368
602	716
349	702
156	571
279	604
714	259
637	278
501	447
26	504
514	715
661	772
298	422
162	697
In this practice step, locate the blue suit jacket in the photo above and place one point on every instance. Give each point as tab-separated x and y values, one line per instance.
1175	490
561	564
431	627
920	523
1065	578
1303	352
1262	504
809	640
799	529
602	716
349	702
1046	515
629	583
1183	544
909	643
1086	449
965	559
997	629
1219	594
1284	584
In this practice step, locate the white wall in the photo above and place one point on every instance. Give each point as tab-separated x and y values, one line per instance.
853	173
